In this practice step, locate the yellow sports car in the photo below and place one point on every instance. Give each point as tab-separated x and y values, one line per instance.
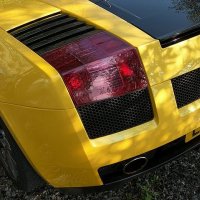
93	93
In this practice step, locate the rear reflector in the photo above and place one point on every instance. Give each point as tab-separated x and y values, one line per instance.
97	68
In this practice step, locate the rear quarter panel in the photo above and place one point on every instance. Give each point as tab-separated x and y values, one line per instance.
39	112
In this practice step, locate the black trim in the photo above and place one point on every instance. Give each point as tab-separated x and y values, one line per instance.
194	31
161	156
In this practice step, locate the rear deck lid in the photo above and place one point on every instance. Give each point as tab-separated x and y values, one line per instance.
162	19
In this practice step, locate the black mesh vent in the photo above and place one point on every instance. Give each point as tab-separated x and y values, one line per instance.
116	114
187	88
50	32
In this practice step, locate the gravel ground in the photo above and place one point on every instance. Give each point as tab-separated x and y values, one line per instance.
179	180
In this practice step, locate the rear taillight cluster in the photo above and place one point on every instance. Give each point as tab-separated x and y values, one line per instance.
98	67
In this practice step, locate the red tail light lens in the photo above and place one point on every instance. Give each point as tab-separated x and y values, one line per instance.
97	68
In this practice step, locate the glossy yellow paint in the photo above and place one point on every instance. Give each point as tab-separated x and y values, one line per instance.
160	64
164	64
95	15
27	80
51	143
18	12
36	106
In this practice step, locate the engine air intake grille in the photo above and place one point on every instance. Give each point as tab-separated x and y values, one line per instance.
116	114
50	32
187	88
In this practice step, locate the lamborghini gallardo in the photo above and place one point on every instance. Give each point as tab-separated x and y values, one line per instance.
96	92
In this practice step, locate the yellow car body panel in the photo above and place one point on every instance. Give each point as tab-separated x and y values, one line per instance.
93	14
51	141
160	64
18	12
39	112
28	80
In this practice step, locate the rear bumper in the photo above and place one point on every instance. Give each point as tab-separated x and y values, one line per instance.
57	146
158	157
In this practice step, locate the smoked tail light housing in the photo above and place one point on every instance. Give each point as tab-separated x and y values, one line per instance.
98	67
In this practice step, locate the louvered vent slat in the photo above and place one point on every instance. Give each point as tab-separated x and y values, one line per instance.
52	31
46	27
57	38
58	31
35	24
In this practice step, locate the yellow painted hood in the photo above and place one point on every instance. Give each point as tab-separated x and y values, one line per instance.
18	12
